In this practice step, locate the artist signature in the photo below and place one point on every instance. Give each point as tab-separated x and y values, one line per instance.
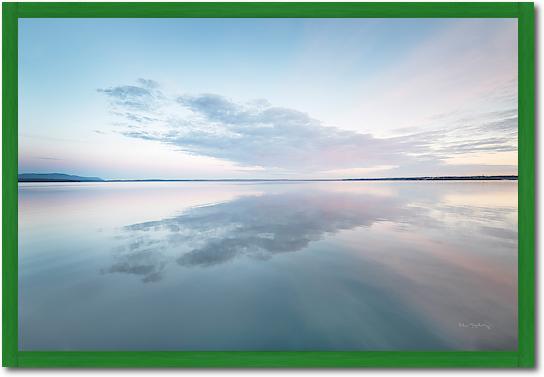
473	325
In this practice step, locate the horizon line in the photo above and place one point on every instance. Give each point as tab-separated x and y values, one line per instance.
75	178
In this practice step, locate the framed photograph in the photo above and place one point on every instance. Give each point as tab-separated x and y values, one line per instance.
313	185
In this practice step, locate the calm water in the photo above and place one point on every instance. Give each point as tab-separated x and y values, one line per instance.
268	266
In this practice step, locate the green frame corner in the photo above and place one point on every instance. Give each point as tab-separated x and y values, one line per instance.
523	357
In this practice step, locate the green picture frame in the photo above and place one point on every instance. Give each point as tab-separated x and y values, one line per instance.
523	357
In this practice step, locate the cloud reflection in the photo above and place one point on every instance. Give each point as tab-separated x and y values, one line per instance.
262	226
143	258
257	227
315	266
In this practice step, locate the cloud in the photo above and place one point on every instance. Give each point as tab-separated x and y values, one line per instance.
257	133
488	140
141	263
401	250
49	158
216	234
141	257
134	97
219	233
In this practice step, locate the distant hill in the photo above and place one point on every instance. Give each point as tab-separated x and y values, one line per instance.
56	177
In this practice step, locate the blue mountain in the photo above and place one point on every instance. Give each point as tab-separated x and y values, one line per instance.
55	177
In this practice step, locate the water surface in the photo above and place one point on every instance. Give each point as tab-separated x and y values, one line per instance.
268	266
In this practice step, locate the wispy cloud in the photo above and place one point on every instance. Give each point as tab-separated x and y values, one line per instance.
49	158
257	133
142	96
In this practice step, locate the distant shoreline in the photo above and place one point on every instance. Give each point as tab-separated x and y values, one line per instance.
443	178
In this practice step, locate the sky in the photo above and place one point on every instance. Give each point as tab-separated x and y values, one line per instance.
267	98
